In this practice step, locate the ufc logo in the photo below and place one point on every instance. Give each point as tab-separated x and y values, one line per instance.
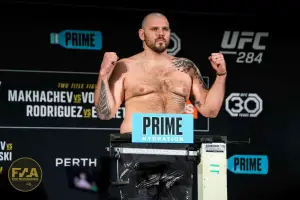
238	40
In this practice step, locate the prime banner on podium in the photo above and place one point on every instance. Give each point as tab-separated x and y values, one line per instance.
162	128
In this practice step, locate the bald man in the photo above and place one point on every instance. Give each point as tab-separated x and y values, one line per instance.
154	82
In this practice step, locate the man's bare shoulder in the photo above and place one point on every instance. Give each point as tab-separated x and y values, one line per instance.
122	62
125	65
121	67
185	65
191	68
135	57
129	60
183	61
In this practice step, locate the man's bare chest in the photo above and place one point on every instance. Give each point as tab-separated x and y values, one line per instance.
157	79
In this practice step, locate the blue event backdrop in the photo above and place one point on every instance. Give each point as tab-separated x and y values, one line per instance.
260	101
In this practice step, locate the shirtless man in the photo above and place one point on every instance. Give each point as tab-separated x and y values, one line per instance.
153	81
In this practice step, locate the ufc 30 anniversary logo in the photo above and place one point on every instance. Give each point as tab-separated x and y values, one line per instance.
244	105
247	45
25	174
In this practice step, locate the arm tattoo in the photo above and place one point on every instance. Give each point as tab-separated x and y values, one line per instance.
182	64
197	103
103	108
200	78
185	65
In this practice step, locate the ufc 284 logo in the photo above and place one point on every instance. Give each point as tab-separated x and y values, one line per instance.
247	45
244	105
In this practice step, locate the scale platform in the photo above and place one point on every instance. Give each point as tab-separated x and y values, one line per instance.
126	138
208	151
116	141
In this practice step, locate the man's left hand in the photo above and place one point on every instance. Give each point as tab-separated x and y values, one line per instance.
217	62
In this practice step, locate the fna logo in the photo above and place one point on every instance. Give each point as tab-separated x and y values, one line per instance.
25	174
77	39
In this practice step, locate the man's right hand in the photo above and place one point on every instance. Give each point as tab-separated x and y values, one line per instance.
108	64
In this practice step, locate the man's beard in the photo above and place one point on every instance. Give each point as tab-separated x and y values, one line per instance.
157	48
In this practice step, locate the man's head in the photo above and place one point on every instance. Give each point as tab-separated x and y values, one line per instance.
155	32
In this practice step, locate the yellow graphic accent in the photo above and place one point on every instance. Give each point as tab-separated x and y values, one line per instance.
77	98
63	85
87	113
9	146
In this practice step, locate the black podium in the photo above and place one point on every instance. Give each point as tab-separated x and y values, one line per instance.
208	151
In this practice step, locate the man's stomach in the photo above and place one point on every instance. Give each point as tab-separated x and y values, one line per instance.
152	103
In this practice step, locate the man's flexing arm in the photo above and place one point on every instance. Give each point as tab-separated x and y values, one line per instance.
109	92
207	101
